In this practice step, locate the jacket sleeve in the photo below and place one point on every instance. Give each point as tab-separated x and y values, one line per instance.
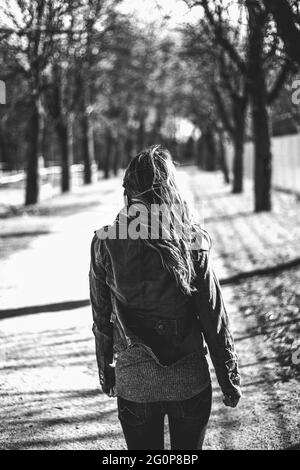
101	309
215	326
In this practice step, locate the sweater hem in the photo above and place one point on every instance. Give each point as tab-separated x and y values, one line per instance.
161	398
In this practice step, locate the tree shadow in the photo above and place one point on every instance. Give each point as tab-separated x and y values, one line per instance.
34	233
47	308
40	423
48	443
264	330
257	363
55	210
266	271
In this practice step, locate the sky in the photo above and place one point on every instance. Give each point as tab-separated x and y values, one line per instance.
177	10
149	10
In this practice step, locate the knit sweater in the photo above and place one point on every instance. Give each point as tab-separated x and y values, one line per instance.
140	377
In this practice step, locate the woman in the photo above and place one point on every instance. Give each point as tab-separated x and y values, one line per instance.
156	305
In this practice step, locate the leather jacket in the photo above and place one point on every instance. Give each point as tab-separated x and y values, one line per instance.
135	300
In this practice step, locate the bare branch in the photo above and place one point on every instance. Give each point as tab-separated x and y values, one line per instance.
220	35
222	109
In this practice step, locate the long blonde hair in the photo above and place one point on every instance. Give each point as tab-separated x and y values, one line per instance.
150	179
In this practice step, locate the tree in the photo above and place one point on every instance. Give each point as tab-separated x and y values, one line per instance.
228	87
265	67
287	17
233	113
139	93
117	96
99	21
34	24
13	114
262	97
56	46
60	102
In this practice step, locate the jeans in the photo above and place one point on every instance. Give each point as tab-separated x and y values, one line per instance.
143	423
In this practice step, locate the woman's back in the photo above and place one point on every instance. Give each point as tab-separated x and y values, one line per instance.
154	299
136	273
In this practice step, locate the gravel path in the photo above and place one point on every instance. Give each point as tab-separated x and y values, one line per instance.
50	397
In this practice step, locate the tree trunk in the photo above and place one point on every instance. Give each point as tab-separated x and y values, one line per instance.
156	131
200	152
87	148
116	159
238	163
223	157
141	135
4	154
128	149
260	116
109	147
238	141
210	150
263	155
65	140
189	149
32	154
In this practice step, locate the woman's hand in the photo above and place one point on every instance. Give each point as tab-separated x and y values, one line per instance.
108	381
112	393
109	391
232	399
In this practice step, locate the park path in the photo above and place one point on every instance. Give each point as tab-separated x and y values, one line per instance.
49	390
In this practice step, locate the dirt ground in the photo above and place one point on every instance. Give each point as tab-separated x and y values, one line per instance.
50	398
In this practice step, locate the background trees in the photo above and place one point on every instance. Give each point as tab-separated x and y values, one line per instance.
265	66
53	46
88	84
229	90
31	45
